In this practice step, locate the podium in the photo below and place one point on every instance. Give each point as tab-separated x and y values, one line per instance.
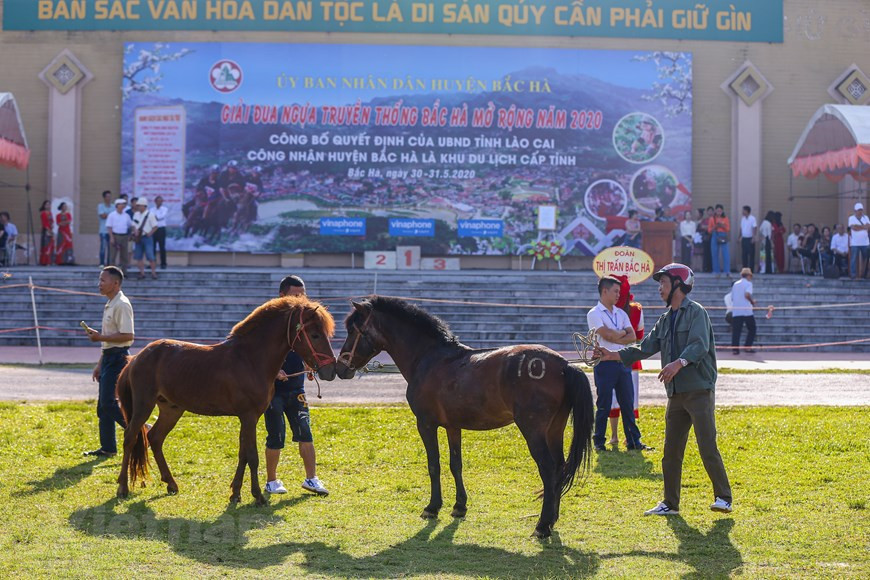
658	241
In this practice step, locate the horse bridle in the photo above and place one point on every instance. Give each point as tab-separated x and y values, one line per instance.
320	359
359	333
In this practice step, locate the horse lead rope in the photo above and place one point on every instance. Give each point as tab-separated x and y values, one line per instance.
589	341
300	330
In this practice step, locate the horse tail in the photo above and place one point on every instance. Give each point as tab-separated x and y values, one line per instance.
138	467
583	412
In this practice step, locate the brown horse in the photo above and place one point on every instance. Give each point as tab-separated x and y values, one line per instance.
235	378
456	387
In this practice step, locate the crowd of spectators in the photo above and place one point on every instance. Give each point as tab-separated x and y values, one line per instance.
841	250
703	240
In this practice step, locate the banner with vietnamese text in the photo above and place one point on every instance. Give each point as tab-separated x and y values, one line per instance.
335	148
734	20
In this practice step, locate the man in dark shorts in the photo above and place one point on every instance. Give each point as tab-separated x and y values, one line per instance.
290	400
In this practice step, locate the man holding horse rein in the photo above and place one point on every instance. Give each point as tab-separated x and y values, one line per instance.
684	337
289	400
116	336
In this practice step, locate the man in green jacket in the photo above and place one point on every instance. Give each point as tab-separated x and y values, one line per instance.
684	337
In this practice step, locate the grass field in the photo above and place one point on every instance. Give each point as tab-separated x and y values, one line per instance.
800	479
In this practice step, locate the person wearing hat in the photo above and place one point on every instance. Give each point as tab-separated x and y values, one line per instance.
741	311
118	226
684	337
859	224
144	227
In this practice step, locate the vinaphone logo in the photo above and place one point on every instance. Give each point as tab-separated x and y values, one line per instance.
225	76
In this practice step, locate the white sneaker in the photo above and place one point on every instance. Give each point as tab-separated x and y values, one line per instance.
720	505
661	509
315	485
275	487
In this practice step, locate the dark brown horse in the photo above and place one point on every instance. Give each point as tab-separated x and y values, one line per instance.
235	377
456	387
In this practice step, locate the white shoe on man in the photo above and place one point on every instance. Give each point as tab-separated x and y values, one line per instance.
275	487
662	509
720	505
315	485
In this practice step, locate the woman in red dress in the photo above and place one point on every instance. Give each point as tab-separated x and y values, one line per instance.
64	252
635	317
778	246
46	247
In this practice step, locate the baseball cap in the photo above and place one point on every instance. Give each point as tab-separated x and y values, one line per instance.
858	206
142	201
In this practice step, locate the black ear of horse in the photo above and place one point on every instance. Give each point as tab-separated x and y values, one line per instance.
357	305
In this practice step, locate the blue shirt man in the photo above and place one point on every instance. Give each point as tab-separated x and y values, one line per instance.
289	400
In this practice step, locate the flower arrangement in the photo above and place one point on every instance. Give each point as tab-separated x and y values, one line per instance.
551	249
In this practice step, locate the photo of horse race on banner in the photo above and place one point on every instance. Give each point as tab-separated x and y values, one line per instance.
272	148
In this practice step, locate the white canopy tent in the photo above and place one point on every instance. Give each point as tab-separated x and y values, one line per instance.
14	152
13	141
835	143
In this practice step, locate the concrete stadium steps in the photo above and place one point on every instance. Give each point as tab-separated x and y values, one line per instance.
202	304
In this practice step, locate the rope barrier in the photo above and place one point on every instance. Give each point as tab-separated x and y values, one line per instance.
583	339
167	300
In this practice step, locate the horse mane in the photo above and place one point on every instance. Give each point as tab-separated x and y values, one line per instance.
424	322
281	305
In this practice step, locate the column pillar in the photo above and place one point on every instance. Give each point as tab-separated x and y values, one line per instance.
747	88
852	87
65	78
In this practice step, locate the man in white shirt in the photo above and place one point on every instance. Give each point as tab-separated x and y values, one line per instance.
118	225
144	227
614	332
741	311
840	248
104	209
160	210
859	224
116	337
748	226
793	243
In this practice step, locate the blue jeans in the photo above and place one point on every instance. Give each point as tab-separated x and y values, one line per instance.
614	377
145	246
104	249
858	251
108	410
720	242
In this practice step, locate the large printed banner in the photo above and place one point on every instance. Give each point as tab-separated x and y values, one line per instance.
333	148
735	20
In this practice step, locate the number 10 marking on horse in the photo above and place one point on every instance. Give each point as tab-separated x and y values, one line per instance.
531	368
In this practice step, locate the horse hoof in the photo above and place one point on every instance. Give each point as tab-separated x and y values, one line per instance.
260	501
123	493
428	515
458	512
172	489
235	499
542	532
